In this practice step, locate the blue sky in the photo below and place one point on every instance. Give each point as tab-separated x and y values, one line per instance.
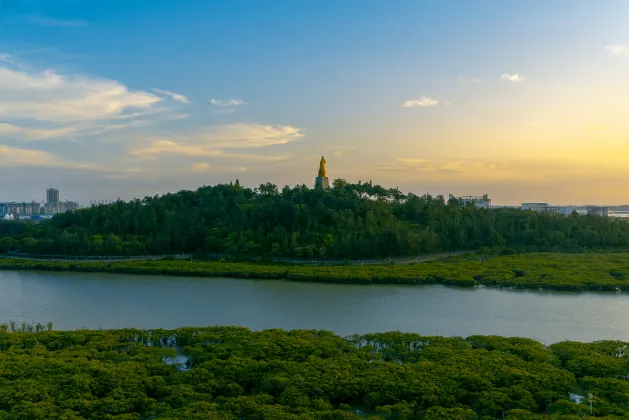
521	100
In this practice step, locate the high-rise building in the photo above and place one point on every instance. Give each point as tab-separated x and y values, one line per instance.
21	208
68	206
52	196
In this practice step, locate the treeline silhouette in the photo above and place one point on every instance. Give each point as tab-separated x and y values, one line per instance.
347	221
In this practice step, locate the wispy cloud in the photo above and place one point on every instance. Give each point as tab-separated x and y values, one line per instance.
174	96
54	22
618	49
459	170
441	168
178	117
247	135
224	111
13	156
341	150
222	141
183	148
38	105
8	59
467	79
513	77
227	103
50	96
200	167
170	147
412	161
65	132
34	133
423	102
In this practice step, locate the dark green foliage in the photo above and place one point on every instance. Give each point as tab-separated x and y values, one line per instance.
234	373
353	221
553	271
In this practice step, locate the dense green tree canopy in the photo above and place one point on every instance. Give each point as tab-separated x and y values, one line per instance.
347	221
233	373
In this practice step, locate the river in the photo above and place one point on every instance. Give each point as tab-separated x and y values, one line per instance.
94	300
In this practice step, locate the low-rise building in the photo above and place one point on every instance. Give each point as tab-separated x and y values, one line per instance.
481	202
598	211
566	211
540	207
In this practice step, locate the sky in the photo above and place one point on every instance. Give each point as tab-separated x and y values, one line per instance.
524	101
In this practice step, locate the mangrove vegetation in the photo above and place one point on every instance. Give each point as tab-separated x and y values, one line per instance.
234	373
551	271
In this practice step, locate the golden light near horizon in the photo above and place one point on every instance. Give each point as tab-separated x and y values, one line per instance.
463	99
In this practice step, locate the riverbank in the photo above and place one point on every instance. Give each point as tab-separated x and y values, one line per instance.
233	372
545	271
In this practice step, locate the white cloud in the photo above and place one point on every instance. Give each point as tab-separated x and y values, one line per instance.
227	103
423	102
513	77
49	96
174	96
618	49
40	105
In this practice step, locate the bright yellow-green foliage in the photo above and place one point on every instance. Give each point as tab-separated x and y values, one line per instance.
556	271
234	373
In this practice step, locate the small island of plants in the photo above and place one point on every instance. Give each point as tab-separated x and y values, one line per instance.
547	271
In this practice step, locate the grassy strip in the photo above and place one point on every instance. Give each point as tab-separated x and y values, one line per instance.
550	271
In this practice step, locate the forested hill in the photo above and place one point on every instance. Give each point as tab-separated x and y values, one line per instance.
347	221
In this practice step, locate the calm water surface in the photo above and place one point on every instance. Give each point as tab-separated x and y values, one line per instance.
72	301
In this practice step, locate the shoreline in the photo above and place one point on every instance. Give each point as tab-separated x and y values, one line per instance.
536	271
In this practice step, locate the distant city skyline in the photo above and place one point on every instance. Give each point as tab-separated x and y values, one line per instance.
525	102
